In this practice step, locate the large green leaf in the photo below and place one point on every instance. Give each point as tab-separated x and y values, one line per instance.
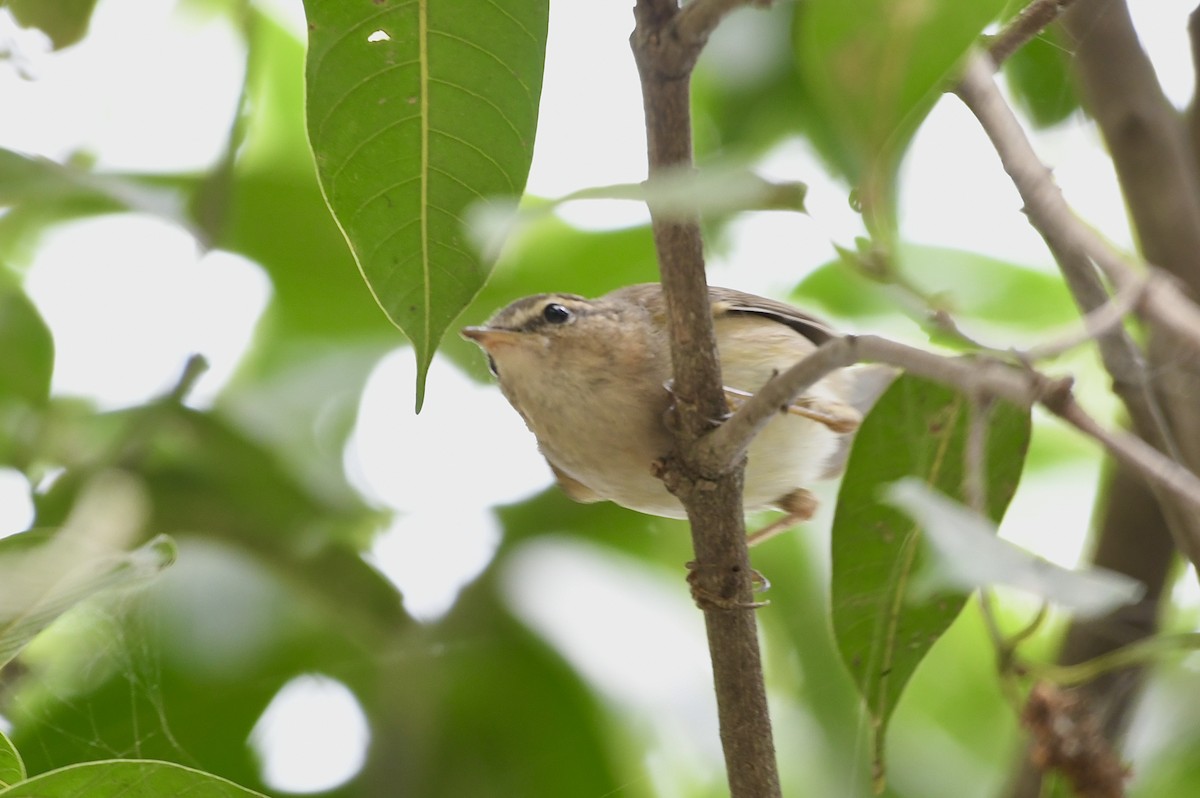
884	625
875	69
417	111
127	779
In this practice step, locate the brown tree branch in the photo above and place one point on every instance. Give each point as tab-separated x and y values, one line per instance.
666	43
1077	247
973	376
1156	167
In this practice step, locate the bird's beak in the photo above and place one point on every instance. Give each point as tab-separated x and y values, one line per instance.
489	337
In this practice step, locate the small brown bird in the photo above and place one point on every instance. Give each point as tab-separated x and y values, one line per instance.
590	376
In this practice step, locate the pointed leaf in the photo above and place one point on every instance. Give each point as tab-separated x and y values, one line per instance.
884	627
417	110
127	779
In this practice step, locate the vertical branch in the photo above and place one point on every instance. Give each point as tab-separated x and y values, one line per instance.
666	43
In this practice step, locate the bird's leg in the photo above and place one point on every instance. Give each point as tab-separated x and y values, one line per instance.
837	416
799	505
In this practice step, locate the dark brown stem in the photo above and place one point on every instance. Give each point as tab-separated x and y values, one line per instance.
666	43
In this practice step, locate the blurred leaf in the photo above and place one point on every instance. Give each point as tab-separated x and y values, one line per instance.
917	429
29	179
875	69
12	769
64	21
1039	75
44	574
316	296
745	96
967	554
717	190
416	111
304	412
126	779
26	349
965	284
465	696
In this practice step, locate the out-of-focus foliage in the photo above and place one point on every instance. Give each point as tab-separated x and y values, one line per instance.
1039	75
874	69
274	578
64	21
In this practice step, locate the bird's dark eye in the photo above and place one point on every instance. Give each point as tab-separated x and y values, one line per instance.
556	313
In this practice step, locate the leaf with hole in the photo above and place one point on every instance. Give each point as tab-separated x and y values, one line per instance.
417	111
883	625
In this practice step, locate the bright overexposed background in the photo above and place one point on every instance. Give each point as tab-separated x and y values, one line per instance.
90	280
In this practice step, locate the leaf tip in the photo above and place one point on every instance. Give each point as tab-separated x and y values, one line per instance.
424	359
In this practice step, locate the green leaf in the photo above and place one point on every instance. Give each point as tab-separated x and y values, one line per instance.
883	626
965	284
124	778
315	294
415	112
64	21
875	69
1039	75
12	769
28	347
77	191
44	574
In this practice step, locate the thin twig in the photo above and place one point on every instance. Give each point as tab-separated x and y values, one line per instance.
975	454
1146	650
1097	324
1078	248
1032	20
971	375
698	19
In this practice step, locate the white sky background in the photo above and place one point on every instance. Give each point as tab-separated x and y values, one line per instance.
102	283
